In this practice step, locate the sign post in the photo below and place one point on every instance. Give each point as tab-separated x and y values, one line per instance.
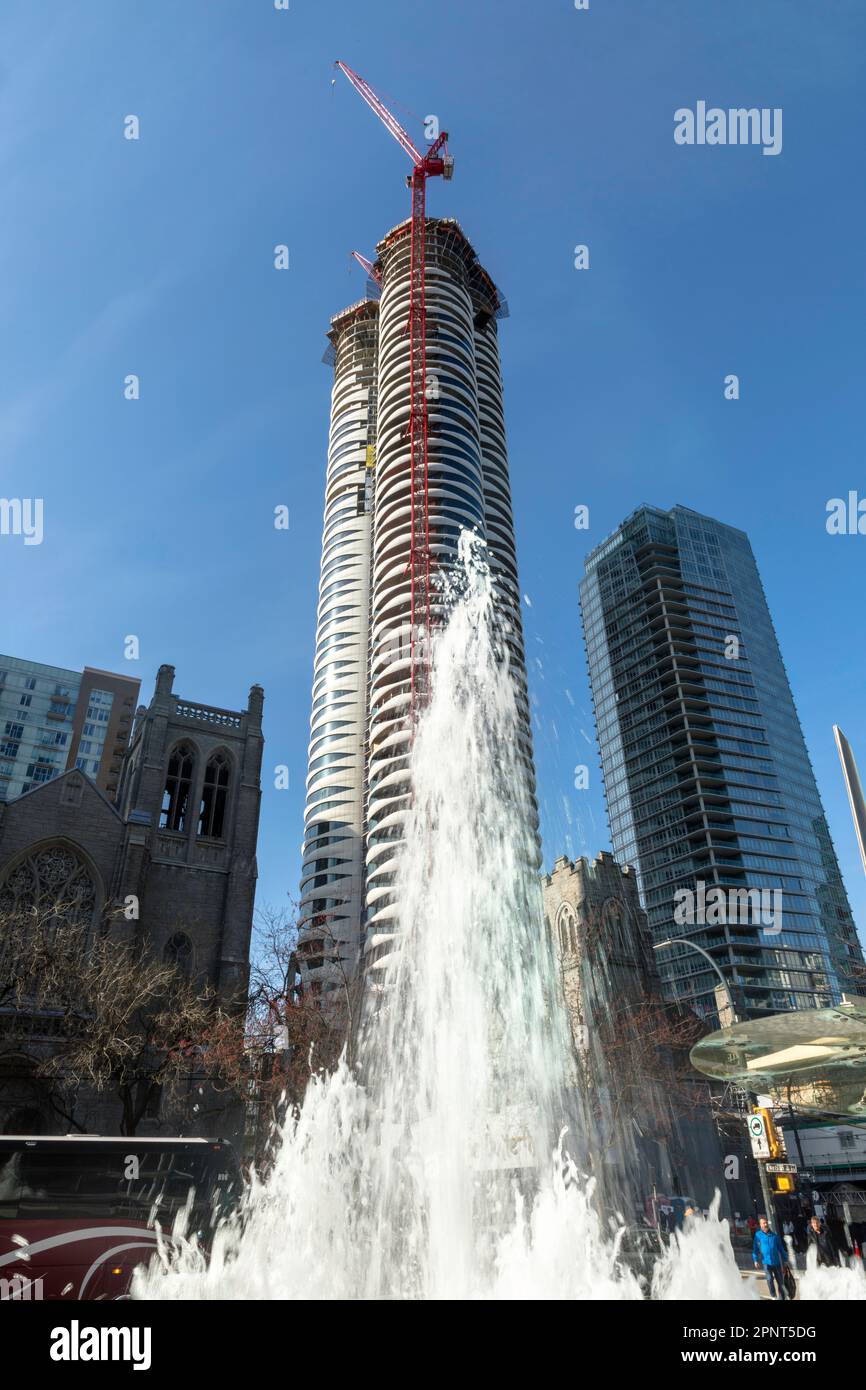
762	1150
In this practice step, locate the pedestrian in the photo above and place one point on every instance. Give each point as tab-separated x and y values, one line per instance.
769	1251
822	1241
800	1238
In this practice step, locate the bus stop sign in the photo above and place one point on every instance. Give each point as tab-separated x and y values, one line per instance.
758	1136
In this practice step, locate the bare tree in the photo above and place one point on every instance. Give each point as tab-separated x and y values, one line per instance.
290	1028
101	1013
132	1024
98	1013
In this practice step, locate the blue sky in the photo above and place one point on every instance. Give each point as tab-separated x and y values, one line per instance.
155	257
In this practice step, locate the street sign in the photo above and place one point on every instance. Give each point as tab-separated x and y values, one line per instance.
758	1136
782	1168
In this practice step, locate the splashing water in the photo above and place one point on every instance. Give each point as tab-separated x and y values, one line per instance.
437	1168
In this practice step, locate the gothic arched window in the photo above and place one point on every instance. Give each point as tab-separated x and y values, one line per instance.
178	952
174	814
212	812
567	930
613	920
52	884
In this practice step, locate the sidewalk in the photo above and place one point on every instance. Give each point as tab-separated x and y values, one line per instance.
757	1276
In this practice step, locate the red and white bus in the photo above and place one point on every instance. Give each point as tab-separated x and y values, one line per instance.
79	1212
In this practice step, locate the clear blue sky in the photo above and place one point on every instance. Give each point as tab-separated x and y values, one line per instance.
155	257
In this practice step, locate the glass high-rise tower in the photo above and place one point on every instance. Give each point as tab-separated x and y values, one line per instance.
707	778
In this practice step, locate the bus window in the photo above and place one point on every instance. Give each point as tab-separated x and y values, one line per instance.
81	1182
85	1208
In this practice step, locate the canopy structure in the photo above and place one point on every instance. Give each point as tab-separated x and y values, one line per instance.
815	1058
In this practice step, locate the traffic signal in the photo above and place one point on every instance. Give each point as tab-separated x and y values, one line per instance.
784	1183
774	1138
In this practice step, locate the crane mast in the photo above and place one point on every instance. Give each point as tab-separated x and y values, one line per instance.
436	161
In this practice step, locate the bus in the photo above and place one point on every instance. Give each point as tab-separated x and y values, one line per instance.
79	1212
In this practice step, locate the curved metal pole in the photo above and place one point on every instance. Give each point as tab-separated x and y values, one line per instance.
769	1204
684	941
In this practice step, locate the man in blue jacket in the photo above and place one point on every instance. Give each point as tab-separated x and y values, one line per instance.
769	1250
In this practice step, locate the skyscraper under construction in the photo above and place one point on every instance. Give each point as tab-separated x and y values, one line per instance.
358	790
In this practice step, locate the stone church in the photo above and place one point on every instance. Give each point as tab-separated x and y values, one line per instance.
179	838
653	1130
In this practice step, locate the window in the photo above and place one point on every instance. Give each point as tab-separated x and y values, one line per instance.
54	885
174	814
212	811
567	930
178	952
613	921
41	771
72	791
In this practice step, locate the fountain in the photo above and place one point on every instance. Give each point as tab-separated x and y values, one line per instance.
449	1162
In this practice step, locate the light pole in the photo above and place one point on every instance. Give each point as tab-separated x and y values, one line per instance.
684	941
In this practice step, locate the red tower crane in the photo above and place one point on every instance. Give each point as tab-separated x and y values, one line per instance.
369	266
436	161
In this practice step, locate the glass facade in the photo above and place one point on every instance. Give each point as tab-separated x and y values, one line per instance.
94	730
710	792
37	705
52	719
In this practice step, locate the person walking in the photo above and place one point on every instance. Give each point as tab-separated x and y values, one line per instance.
769	1251
822	1241
801	1243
